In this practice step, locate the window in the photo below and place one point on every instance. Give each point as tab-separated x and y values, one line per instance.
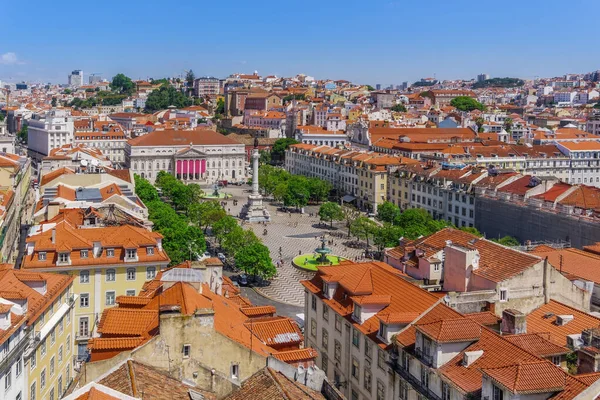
130	292
338	323
313	328
356	313
556	360
424	376
325	339
382	331
187	350
130	253
355	368
84	300
32	360
43	379
59	387
110	298
131	274
355	338
436	267
367	380
42	256
52	366
19	367
324	363
368	348
53	336
337	351
43	347
405	361
235	371
325	312
150	250
503	294
497	393
61	325
111	275
445	391
8	379
63	257
32	391
380	359
313	303
150	272
403	395
51	397
110	252
84	326
380	390
60	354
83	254
84	277
354	395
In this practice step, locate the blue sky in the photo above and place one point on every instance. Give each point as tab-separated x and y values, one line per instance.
374	41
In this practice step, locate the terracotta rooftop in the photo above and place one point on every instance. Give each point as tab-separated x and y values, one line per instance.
182	138
529	377
450	330
538	344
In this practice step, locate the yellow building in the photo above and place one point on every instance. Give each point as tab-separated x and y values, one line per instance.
36	334
106	262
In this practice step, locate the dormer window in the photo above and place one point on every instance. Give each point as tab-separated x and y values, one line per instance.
130	253
110	252
84	254
356	312
63	257
42	256
382	333
150	250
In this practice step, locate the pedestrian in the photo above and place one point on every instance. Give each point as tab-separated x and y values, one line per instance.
299	252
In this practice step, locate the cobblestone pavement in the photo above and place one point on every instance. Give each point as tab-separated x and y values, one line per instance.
294	233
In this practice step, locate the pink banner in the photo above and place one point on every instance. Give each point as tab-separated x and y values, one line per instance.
185	166
198	167
203	169
179	167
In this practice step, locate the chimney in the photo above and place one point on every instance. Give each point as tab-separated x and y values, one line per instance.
514	322
53	235
469	357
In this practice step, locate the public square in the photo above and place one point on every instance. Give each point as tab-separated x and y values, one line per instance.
294	234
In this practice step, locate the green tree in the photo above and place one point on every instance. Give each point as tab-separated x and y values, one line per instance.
479	121
237	239
189	79
220	110
297	193
508	125
507	241
207	213
144	189
270	177
255	259
319	189
122	84
350	214
466	103
165	97
67	91
370	88
388	212
23	133
331	212
363	228
472	230
417	222
223	227
387	236
279	148
399	108
53	102
1	117
265	157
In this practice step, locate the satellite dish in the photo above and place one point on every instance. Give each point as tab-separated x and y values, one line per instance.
311	370
84	163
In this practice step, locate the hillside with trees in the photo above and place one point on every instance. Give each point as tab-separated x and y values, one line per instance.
499	83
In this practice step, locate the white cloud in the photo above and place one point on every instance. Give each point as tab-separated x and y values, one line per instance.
9	58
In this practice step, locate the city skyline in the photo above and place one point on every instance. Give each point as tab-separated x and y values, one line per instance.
332	40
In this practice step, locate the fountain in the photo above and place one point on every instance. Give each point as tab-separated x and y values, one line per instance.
323	251
321	257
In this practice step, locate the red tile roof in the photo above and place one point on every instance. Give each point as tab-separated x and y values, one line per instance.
172	137
529	377
450	330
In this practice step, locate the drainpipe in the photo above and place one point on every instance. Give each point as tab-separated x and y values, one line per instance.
546	281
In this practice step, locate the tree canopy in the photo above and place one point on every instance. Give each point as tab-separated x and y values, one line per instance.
166	96
399	108
292	190
363	228
330	211
466	103
388	212
507	241
499	82
122	84
254	259
279	148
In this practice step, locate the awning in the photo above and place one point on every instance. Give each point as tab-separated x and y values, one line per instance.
348	198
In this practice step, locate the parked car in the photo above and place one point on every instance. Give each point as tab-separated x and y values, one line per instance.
222	183
242	280
221	257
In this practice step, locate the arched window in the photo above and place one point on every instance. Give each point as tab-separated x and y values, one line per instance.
143	166
135	166
240	163
226	164
213	164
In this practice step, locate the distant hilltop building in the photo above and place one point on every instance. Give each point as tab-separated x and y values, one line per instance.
482	77
76	78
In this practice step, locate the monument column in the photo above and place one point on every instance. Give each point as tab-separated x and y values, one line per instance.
254	210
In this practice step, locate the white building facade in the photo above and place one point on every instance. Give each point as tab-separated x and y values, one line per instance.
49	131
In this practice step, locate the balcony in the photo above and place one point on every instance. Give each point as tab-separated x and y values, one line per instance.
425	358
416	384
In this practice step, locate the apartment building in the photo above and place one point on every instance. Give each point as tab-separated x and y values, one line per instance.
584	161
49	131
36	334
352	313
593	124
107	137
206	86
105	261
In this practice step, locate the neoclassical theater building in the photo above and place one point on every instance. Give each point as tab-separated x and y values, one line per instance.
200	155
